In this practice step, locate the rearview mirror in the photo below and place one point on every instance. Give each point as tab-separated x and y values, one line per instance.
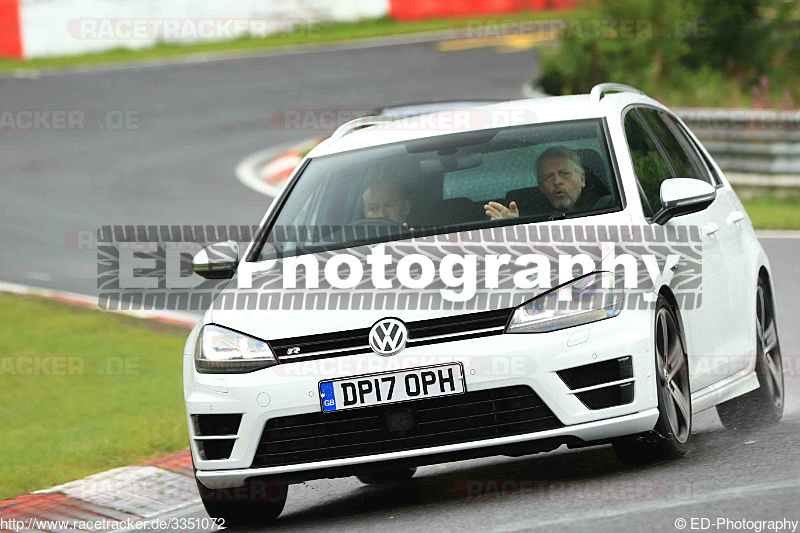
681	196
217	261
450	163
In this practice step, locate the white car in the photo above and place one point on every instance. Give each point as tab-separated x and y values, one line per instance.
440	332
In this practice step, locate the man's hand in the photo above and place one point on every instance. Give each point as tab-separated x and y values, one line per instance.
405	225
496	211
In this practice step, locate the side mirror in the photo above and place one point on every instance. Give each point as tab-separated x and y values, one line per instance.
217	261
681	196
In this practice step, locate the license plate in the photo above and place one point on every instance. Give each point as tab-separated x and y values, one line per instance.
392	387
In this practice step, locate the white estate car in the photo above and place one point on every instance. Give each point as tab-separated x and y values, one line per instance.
498	280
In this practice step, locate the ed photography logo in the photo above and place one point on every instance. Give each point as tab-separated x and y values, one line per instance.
149	267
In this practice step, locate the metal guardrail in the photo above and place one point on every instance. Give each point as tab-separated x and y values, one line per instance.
749	141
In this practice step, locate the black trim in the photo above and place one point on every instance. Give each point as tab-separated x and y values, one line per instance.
684	207
261	237
468	417
579	377
420	333
699	149
216	425
612	156
605	397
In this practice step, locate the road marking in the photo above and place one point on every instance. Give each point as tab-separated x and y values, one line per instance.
710	497
248	171
177	318
778	234
504	44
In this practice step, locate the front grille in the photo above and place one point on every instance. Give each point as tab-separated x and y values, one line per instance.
466	417
420	333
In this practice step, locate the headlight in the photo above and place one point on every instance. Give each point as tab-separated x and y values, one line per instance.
587	299
220	350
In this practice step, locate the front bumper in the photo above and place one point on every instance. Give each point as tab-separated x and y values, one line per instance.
489	362
574	436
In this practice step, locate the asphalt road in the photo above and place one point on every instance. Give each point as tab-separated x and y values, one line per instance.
192	125
195	122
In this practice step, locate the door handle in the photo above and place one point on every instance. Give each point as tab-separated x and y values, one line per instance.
735	217
710	228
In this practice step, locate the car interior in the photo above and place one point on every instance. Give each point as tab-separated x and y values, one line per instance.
448	181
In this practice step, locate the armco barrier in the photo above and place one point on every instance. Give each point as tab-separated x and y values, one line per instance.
754	141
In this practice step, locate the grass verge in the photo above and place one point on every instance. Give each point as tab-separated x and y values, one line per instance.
83	391
773	211
325	32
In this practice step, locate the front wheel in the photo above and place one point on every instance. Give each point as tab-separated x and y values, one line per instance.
670	438
764	405
259	501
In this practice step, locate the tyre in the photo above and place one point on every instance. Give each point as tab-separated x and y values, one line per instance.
387	476
257	502
672	433
764	405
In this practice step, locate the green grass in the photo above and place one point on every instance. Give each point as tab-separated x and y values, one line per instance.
772	211
310	34
81	420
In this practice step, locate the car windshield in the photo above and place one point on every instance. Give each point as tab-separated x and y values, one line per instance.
441	184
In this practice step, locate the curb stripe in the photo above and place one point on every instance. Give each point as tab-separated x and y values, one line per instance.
173	318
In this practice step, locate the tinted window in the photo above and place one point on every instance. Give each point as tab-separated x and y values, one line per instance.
650	166
511	169
675	144
440	184
708	169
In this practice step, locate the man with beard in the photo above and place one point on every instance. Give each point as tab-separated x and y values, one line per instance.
562	180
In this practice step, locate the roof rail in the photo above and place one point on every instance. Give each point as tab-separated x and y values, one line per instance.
600	90
357	124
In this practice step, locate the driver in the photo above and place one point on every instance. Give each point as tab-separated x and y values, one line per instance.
384	199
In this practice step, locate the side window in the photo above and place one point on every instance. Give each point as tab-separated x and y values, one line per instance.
680	130
650	166
676	145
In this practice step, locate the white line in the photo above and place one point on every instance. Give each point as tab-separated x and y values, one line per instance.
180	318
714	496
777	234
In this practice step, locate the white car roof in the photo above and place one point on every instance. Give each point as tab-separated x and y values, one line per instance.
511	113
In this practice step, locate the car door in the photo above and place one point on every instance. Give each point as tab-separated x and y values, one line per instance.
732	219
706	322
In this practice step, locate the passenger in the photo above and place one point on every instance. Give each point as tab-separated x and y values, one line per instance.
561	180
